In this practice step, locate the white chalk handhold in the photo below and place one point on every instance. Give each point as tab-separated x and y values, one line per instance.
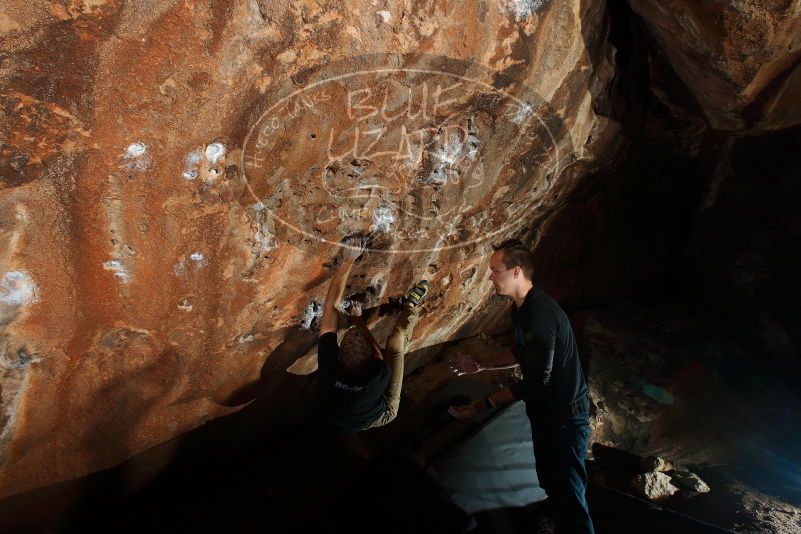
313	311
522	9
383	218
17	288
214	152
118	269
135	150
193	158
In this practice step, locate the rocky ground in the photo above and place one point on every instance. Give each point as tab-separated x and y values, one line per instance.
665	384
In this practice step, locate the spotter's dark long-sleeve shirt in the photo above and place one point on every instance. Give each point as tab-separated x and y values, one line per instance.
553	384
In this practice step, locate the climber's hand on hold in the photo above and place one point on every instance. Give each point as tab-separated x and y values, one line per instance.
353	247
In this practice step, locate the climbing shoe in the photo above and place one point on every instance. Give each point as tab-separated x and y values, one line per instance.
416	294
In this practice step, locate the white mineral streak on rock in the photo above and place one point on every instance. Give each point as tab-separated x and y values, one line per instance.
118	269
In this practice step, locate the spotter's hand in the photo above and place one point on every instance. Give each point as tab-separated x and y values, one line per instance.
463	364
466	411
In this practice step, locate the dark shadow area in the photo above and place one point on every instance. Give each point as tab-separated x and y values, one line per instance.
301	479
279	407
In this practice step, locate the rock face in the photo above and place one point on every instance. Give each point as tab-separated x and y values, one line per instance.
175	181
741	59
689	481
655	485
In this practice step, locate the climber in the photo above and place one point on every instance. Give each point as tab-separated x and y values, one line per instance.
361	382
553	385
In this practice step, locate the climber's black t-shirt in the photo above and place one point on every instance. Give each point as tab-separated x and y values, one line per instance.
350	407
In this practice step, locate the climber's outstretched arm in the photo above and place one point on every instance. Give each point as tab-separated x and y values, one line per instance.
353	248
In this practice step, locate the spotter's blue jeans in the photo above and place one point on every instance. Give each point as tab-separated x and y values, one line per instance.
559	450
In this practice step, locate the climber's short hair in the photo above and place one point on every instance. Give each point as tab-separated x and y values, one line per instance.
355	353
516	254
